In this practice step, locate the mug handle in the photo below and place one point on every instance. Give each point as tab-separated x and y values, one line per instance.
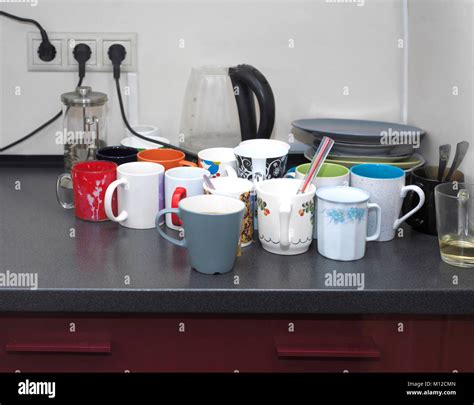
231	172
187	163
62	203
178	194
109	194
285	214
378	229
403	194
174	211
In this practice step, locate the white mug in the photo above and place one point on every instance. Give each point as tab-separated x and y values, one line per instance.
218	161
240	189
181	182
342	222
149	131
329	175
258	163
285	218
386	186
140	194
265	143
258	160
145	130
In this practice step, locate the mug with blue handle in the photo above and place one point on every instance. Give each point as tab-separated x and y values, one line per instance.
212	226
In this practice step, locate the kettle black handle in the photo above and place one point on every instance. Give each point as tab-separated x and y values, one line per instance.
247	80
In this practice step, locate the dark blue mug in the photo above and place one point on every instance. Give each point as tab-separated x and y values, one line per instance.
212	225
117	154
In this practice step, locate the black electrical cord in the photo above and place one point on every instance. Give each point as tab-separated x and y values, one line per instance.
34	132
22	19
124	118
117	54
46	50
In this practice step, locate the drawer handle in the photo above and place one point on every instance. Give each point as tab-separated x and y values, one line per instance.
366	350
59	347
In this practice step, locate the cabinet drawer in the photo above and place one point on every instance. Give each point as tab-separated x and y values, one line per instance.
359	345
317	345
197	344
83	344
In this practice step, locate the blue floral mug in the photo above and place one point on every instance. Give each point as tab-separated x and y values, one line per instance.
342	217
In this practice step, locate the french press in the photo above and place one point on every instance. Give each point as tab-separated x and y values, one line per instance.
84	123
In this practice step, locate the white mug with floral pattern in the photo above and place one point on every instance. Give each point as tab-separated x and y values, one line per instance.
285	218
342	219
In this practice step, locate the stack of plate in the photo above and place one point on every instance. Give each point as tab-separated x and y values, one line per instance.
358	141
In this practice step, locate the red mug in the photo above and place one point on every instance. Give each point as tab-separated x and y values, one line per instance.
89	182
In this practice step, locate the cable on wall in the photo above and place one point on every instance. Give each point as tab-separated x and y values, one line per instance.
406	44
47	52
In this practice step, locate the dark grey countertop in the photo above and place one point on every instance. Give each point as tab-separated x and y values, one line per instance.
88	273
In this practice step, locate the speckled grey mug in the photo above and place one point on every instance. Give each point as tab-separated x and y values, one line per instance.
386	186
212	226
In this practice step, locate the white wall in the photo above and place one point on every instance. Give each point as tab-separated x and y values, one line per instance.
441	48
336	45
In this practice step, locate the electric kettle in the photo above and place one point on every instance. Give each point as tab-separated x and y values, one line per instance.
219	108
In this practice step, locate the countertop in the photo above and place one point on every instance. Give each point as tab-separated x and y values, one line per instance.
106	268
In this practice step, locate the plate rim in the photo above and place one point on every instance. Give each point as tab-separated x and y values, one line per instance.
345	134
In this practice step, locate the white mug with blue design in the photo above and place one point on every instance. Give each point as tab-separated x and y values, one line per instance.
220	162
342	222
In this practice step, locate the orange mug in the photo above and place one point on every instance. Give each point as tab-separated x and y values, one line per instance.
169	158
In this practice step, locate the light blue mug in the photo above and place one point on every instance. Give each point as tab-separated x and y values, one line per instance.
212	225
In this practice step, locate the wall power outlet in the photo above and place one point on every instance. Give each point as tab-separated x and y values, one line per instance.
65	43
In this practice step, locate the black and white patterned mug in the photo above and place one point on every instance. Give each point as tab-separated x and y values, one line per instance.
261	159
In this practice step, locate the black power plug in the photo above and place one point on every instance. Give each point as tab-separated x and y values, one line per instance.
46	50
82	53
117	55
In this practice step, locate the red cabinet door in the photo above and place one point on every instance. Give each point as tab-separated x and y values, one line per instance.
79	344
458	345
227	344
359	345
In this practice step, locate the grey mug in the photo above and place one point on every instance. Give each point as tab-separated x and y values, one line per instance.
212	225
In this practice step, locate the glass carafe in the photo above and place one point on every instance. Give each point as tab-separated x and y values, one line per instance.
84	125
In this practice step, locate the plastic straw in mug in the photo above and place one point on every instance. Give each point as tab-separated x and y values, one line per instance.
318	160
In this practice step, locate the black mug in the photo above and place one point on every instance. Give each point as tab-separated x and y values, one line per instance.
117	154
426	178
